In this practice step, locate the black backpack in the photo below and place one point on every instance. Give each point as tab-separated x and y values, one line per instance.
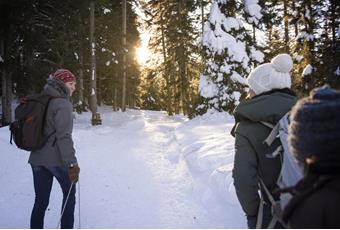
27	130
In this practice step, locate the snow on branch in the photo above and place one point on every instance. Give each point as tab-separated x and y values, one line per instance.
307	70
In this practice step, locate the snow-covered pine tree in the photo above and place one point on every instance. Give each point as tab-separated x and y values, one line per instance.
228	53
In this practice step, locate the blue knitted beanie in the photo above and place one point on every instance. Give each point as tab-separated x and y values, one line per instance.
314	131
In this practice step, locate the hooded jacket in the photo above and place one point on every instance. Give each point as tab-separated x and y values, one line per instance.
253	157
59	150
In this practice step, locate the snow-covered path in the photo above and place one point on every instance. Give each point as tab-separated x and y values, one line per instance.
135	173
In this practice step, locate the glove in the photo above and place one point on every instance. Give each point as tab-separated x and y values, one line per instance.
73	173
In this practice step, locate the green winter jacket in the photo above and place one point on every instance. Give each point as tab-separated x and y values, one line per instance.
253	157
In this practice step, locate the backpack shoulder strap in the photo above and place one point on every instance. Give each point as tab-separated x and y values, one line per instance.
276	208
45	112
275	129
273	134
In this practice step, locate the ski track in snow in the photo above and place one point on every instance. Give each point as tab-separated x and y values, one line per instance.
135	173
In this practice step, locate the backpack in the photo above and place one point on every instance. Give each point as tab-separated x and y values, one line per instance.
291	172
27	130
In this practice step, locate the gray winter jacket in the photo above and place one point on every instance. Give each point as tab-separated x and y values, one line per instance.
59	150
252	155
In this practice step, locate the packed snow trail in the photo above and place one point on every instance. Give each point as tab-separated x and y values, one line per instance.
135	173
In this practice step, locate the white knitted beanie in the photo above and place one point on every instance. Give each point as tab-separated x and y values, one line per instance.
273	75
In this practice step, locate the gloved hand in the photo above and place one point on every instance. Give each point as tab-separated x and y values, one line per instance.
73	173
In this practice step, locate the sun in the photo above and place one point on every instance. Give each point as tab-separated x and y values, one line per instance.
143	54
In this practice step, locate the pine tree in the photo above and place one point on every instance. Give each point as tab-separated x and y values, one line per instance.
228	53
328	70
306	46
53	34
175	40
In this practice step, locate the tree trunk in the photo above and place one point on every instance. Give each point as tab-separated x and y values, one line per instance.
334	19
81	81
177	95
296	25
286	18
114	92
80	86
6	97
124	56
202	12
254	33
166	72
96	120
310	30
6	82
182	61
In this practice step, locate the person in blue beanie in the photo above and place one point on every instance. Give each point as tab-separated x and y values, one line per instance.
314	139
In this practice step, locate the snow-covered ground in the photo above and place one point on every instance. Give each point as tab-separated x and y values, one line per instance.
140	169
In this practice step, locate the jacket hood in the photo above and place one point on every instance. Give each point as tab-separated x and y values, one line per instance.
56	88
268	107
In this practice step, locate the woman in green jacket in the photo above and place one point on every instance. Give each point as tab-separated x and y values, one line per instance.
269	99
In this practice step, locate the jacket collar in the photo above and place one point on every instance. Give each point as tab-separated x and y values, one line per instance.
56	88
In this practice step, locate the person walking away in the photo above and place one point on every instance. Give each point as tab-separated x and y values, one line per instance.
57	157
314	139
269	99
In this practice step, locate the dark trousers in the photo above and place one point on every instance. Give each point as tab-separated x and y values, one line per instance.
43	179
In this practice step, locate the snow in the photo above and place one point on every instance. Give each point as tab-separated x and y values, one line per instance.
307	14
236	95
219	40
238	78
93	92
207	88
106	11
140	169
225	68
1	59
254	10
231	23
93	50
337	71
307	70
306	36
76	56
298	58
256	55
107	63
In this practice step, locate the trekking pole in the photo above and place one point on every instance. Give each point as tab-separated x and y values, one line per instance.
62	212
79	225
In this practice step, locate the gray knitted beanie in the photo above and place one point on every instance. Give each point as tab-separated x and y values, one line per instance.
314	131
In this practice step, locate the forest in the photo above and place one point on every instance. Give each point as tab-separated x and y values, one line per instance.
178	56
